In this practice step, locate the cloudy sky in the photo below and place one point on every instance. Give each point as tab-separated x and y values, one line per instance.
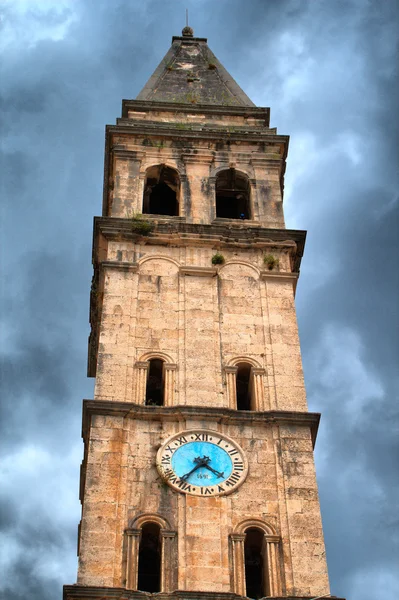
327	70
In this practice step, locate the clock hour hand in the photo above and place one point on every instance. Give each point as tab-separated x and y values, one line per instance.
200	462
213	471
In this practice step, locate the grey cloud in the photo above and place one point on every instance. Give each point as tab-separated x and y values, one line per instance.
56	98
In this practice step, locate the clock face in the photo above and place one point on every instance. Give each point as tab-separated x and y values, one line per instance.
202	462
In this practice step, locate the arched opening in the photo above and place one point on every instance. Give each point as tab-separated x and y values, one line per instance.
232	195
149	568
161	191
154	391
255	573
244	387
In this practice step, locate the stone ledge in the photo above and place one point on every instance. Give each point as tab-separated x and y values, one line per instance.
176	413
257	112
172	232
115	264
80	592
198	271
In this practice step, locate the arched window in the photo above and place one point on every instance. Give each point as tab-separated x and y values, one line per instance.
155	379
256	566
256	580
232	195
151	555
244	387
161	191
154	394
149	567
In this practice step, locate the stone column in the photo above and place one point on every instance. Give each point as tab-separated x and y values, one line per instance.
132	557
167	560
258	388
183	192
237	540
141	370
197	171
273	565
169	378
231	374
139	204
212	194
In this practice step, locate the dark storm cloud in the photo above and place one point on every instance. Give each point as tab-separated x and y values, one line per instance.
327	69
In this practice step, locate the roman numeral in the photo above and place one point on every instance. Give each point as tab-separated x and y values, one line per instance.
233	451
186	487
181	440
202	437
232	480
220	488
165	460
170	449
239	466
206	491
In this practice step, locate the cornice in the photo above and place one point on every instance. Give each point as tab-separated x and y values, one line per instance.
197	131
182	412
257	112
178	233
86	592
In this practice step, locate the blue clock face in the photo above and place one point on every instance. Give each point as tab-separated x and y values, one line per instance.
202	462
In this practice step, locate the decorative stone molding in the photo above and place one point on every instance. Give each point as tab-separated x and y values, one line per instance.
122	153
231	374
198	271
237	541
168	550
258	387
77	592
141	369
266	274
209	414
133	543
169	375
115	264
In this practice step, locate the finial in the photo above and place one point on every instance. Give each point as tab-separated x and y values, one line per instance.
187	31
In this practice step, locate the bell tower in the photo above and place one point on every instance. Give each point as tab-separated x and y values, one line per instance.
198	476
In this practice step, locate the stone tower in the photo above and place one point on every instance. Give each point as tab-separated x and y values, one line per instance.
198	477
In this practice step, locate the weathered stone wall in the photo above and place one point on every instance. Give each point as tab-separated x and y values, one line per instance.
202	322
122	482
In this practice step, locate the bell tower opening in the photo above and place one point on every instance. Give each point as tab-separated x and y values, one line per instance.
232	195
243	387
149	569
161	191
154	390
254	564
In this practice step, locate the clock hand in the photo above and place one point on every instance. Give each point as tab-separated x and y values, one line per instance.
201	462
213	471
187	475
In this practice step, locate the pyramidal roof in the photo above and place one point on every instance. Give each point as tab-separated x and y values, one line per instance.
191	73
